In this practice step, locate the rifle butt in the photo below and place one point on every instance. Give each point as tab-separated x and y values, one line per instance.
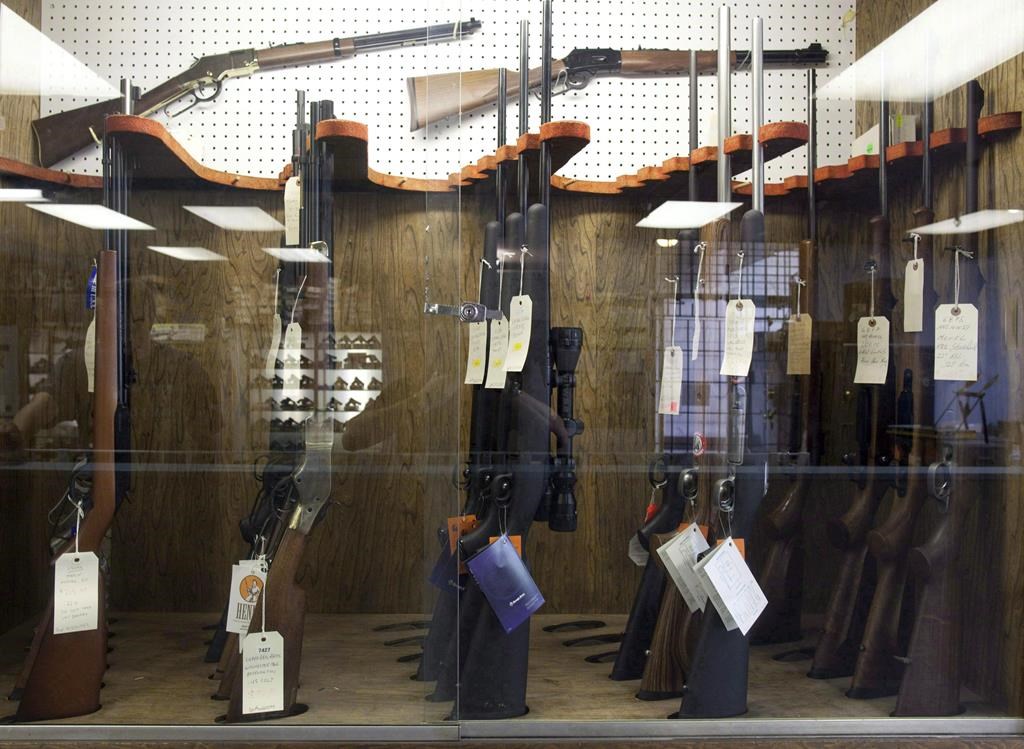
717	683
643	618
782	583
64	134
66	674
878	671
33	651
836	652
664	675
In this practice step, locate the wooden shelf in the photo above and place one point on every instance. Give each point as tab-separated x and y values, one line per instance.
163	161
21	170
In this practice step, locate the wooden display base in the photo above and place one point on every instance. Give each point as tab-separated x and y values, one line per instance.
349	676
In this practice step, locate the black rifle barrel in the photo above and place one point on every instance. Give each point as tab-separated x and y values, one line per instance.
436	33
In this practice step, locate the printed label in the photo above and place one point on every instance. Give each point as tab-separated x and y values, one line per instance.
731	587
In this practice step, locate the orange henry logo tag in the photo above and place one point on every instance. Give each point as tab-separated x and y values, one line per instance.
250	588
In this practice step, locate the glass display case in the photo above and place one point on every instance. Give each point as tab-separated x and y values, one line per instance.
365	388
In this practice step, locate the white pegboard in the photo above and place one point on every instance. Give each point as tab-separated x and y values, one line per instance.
634	123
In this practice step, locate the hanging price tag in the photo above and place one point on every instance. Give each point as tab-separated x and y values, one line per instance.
872	351
247	581
476	360
89	352
680	555
275	345
520	326
506	583
913	297
76	592
496	356
671	380
731	587
292	210
956	342
739	338
798	345
263	673
291	354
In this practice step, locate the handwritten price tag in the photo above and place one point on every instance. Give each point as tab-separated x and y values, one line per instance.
520	324
76	592
497	356
476	360
292	210
798	345
263	673
671	380
739	338
956	342
872	351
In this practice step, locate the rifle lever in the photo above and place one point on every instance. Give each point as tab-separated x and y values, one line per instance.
196	99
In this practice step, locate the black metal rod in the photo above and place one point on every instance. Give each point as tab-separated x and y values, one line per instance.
524	111
694	121
544	185
975	102
883	166
499	177
411	36
812	154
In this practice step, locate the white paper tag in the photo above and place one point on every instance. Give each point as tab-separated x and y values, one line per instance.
519	328
89	352
798	345
680	556
291	351
695	343
275	345
698	573
739	338
496	356
913	297
247	580
956	342
76	592
263	673
872	351
732	589
637	553
292	208
476	361
671	380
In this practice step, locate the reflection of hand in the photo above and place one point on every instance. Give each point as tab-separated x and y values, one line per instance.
11	441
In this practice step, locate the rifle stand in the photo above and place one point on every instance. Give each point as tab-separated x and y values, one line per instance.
297	709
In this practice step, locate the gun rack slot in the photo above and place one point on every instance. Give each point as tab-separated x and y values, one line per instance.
161	159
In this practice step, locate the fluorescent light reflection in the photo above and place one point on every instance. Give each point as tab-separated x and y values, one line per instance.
236	217
685	214
32	64
18	195
940	49
199	254
666	242
91	216
972	223
296	254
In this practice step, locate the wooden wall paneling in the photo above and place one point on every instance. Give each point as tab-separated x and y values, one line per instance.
17	112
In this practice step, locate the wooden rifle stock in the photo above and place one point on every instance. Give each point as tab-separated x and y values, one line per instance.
931	680
67	671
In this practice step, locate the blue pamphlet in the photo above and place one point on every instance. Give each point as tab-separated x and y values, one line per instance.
506	583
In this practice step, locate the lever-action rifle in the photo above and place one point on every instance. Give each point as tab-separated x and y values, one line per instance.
853	590
65	133
434	97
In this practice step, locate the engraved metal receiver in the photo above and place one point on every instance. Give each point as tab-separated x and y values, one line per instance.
313	477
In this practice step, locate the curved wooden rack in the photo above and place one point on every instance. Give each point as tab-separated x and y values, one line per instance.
566	138
21	170
162	159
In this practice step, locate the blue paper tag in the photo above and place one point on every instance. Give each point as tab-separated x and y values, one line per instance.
90	289
506	583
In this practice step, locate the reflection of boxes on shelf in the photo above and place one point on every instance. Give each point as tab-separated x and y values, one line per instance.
902	129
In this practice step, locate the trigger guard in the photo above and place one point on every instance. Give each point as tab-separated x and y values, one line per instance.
216	92
653	479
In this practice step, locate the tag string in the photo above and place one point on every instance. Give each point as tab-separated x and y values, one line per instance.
956	275
263	594
277	286
800	283
79	514
674	280
916	239
501	278
739	277
523	252
871	271
480	280
297	295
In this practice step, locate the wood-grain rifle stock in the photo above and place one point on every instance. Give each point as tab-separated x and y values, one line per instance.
61	135
852	593
434	97
880	664
67	672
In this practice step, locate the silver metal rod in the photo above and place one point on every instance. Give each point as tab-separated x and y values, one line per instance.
812	153
724	102
757	107
694	121
544	178
127	101
524	110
